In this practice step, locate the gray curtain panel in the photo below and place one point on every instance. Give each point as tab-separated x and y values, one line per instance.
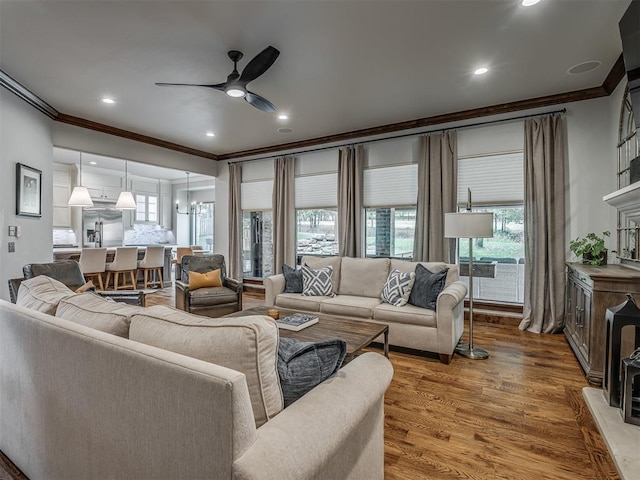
284	213
350	173
235	220
437	195
544	223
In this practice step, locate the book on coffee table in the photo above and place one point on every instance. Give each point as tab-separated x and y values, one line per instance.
296	321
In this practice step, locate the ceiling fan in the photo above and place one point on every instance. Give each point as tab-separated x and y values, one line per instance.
236	84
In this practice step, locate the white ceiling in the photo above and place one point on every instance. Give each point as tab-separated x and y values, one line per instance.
344	65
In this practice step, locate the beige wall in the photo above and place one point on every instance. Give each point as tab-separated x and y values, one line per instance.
25	137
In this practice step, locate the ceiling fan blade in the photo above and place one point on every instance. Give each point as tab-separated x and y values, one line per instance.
259	102
218	86
259	64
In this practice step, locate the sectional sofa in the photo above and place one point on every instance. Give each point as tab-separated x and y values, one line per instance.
97	389
357	285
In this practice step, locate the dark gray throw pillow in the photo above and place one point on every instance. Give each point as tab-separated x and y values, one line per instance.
292	279
303	365
426	287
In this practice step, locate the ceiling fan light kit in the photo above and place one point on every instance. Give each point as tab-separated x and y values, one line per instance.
236	84
235	92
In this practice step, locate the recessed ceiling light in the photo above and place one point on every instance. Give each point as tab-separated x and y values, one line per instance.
283	116
285	130
211	134
480	71
93	163
584	67
108	100
529	3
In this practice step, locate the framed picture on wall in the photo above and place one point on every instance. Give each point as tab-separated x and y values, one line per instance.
28	191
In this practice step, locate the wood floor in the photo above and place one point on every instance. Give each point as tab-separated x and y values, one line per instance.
517	415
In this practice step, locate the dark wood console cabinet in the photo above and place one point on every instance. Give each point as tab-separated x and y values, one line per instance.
590	291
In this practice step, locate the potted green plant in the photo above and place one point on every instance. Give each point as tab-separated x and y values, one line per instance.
590	248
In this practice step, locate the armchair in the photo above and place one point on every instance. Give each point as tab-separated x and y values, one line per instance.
207	301
69	273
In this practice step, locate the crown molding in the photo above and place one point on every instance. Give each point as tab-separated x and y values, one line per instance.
138	137
25	94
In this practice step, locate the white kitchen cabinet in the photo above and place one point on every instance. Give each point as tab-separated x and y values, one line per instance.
61	194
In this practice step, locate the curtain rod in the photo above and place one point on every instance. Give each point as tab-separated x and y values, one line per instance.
477	124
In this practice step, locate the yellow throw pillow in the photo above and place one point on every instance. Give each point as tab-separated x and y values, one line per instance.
201	280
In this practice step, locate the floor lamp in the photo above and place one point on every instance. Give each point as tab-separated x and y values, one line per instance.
469	225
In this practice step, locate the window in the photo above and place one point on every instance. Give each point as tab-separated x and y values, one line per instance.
390	232
257	229
317	214
497	186
390	195
257	244
316	231
146	208
203	221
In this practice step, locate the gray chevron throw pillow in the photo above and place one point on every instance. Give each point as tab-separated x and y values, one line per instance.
317	282
397	289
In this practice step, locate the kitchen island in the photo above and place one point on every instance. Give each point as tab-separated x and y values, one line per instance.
74	254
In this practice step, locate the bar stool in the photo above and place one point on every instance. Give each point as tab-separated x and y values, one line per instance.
125	261
153	262
92	263
181	251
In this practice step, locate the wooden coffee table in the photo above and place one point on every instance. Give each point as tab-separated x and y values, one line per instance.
358	334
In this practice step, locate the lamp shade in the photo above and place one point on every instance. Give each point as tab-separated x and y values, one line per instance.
80	198
468	225
126	201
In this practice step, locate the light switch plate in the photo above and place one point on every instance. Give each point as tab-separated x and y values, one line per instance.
12	231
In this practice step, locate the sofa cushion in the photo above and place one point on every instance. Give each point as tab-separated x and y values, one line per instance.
202	280
427	287
303	365
320	262
92	310
296	301
350	306
42	293
363	277
409	314
209	296
407	266
397	289
317	282
292	279
246	344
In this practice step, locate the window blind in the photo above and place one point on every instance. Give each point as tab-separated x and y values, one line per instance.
492	179
256	195
317	191
391	186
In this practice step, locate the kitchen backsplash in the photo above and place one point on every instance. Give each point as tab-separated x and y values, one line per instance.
148	234
64	237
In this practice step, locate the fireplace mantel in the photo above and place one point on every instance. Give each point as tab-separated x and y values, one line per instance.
626	200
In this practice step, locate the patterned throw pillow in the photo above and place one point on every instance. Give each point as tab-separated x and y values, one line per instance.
397	289
427	287
317	282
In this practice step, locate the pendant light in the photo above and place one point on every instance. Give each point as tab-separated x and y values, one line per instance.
80	196
125	199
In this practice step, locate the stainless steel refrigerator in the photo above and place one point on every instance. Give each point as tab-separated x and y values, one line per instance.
102	227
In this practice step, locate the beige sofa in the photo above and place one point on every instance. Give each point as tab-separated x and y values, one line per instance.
78	403
358	283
